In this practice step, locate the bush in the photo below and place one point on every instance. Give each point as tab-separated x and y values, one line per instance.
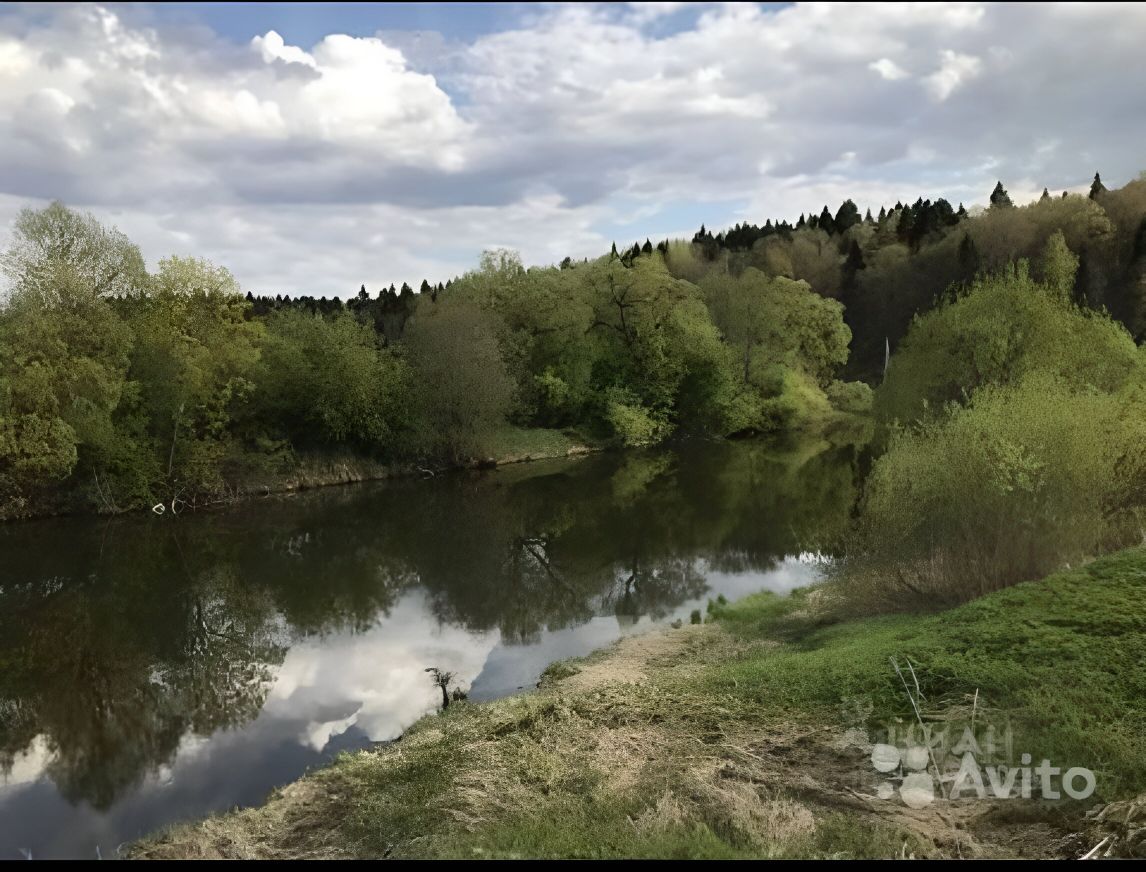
855	397
1005	327
1008	488
633	424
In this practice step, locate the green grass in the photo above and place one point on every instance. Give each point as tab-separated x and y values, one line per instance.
516	442
1063	658
708	755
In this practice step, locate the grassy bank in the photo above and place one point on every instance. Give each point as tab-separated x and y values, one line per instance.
305	471
730	739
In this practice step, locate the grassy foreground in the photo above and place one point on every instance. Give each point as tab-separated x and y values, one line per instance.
725	740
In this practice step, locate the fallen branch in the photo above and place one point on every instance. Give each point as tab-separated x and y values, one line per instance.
1089	855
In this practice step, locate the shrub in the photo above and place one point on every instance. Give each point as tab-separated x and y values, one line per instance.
1004	328
1008	488
633	424
855	397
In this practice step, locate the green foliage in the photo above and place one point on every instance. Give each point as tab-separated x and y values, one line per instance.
1025	477
63	360
1000	199
777	321
324	381
118	387
462	389
855	397
1058	266
193	361
633	424
1003	328
105	261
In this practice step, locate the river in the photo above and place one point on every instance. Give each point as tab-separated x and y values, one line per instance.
156	669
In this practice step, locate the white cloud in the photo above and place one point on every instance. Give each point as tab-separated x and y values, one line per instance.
272	48
313	168
645	12
374	680
889	69
954	70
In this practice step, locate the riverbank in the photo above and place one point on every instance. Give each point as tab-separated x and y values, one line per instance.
317	470
750	736
308	471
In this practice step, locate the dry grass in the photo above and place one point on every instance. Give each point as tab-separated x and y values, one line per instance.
621	754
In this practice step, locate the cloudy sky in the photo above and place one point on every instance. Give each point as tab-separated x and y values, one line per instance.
314	148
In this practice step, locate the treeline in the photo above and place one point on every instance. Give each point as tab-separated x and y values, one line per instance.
122	388
889	267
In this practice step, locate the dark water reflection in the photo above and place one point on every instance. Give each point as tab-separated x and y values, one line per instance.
155	669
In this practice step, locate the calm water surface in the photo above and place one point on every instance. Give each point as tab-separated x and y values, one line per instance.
155	669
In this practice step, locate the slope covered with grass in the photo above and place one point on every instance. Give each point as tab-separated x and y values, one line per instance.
722	740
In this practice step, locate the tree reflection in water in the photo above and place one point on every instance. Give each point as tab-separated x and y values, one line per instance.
119	639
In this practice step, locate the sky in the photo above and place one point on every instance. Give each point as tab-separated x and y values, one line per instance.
313	148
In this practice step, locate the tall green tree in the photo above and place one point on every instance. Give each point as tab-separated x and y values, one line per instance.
1000	199
462	390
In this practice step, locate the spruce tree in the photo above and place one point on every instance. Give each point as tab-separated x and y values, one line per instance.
1097	189
847	216
852	264
1000	199
827	223
968	257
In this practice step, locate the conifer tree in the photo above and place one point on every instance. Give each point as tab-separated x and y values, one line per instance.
1097	189
847	216
826	222
1000	199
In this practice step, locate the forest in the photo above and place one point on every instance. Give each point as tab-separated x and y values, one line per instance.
121	387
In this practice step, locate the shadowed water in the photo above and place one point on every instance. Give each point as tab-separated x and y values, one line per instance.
155	669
